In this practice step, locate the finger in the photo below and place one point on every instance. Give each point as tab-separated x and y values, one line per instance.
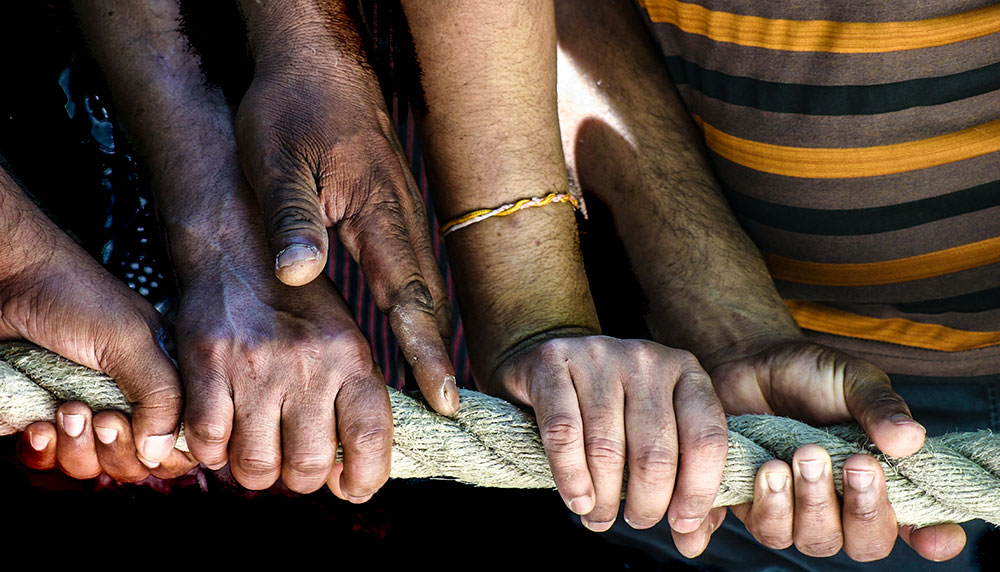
560	427
146	375
36	447
652	450
208	413
75	452
817	529
379	240
695	542
364	426
880	411
177	464
703	438
287	191
308	441
868	519
602	407
424	249
772	514
115	448
936	543
255	444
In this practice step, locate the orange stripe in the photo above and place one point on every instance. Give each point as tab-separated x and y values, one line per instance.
956	259
820	318
828	163
824	35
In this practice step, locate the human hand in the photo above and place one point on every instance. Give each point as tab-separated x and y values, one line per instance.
54	295
319	149
798	505
603	402
83	445
275	377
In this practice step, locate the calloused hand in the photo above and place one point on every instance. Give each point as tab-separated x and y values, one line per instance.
602	403
798	504
275	378
54	294
319	149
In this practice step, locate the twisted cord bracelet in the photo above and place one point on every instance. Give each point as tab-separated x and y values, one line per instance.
507	209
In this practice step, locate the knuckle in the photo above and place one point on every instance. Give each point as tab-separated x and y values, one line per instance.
773	539
294	214
366	438
412	296
605	451
257	468
654	463
208	432
710	441
822	547
560	431
308	464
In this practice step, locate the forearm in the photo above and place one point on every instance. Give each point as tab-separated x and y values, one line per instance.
26	235
492	135
638	151
182	129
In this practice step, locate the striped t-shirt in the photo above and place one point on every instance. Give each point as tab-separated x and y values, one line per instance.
859	144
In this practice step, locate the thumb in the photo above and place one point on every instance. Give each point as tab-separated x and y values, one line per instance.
141	367
289	200
880	411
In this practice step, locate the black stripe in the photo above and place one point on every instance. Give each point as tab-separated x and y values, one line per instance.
834	100
873	220
981	301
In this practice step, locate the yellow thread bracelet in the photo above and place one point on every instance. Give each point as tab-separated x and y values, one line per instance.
504	210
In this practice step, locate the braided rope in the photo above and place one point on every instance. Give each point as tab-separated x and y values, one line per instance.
490	442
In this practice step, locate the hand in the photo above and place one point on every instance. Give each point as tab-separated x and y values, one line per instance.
53	294
318	147
275	376
84	445
798	504
602	402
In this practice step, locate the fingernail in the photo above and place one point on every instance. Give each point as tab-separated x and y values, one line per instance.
38	442
449	390
904	419
73	424
358	500
859	480
149	464
581	505
811	470
776	481
106	435
686	525
294	254
156	448
595	526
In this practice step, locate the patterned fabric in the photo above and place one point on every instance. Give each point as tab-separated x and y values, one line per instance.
859	144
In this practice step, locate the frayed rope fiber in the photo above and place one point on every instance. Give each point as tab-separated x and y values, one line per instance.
491	443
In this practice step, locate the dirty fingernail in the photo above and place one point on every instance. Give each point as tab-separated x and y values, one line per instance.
106	435
449	391
860	480
295	254
903	419
156	448
38	442
73	424
811	470
776	481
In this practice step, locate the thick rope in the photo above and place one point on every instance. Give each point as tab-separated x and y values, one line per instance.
492	443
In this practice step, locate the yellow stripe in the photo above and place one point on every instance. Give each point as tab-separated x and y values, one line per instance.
832	163
956	259
824	35
820	318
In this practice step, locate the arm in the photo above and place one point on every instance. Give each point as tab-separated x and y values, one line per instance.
276	376
634	145
334	160
53	294
491	131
